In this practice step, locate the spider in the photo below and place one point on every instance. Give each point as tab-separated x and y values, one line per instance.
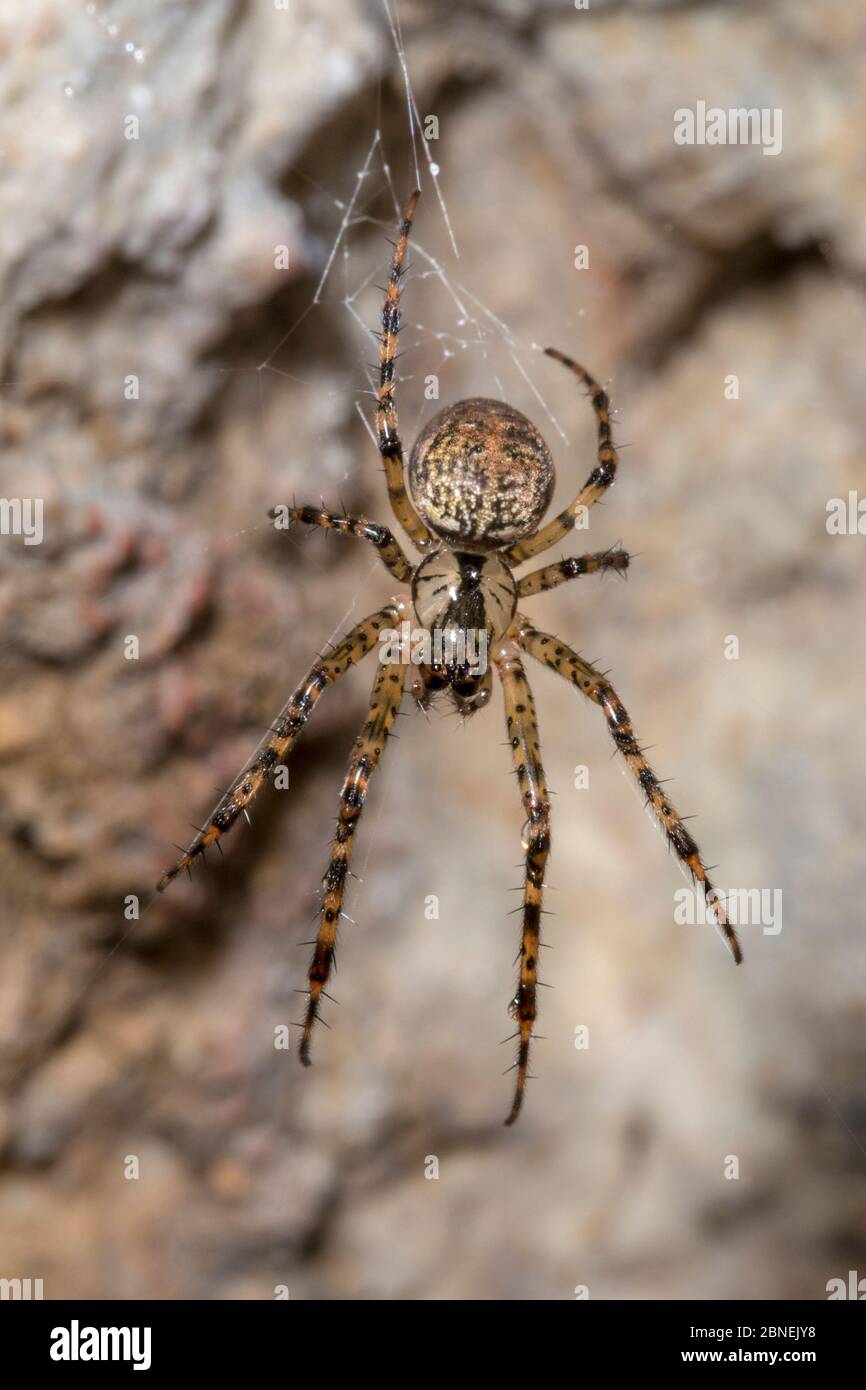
480	481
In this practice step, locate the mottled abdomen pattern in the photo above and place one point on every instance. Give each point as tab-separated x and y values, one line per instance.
480	474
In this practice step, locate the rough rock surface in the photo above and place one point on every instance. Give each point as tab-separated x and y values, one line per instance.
173	182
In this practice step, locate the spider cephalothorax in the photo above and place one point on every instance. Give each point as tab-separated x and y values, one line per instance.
466	602
481	477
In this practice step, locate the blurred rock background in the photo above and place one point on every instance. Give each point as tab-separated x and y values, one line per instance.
153	258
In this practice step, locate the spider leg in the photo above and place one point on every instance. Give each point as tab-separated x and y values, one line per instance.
522	729
550	575
596	484
369	745
596	687
388	546
284	732
390	446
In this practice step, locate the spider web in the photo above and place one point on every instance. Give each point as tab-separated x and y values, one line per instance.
464	326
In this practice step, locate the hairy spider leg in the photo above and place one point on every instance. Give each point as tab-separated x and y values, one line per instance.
384	706
390	551
522	727
284	732
538	581
596	687
596	484
390	446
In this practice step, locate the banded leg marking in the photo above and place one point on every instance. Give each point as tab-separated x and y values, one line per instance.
596	687
281	740
388	546
369	746
596	484
522	729
537	581
390	446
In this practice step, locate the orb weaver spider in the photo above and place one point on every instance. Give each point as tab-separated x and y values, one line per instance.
480	479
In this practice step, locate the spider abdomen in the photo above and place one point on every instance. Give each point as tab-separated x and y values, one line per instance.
480	474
